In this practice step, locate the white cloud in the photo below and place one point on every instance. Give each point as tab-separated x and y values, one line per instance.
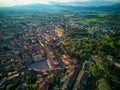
21	2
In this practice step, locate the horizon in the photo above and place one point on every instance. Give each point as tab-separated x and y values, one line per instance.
10	3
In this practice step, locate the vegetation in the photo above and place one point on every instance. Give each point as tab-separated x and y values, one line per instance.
10	87
101	46
56	81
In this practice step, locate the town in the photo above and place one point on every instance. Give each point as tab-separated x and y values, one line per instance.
33	52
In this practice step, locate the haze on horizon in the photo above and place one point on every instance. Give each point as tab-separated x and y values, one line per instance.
7	3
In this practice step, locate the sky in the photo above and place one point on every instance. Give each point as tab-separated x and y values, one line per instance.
7	3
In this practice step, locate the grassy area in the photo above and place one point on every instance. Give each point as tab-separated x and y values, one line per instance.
88	20
95	20
68	15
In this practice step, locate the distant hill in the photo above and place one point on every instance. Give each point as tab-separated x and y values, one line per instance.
36	6
108	7
61	7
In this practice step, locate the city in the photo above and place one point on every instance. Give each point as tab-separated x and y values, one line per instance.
64	49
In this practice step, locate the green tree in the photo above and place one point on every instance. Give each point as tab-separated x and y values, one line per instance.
34	87
18	88
10	87
18	81
95	70
103	84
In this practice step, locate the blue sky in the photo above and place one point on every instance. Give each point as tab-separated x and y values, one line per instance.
70	2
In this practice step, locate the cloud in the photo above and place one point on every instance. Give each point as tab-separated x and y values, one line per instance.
23	2
20	2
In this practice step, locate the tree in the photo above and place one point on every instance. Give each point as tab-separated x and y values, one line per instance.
103	84
18	81
95	70
34	87
18	88
10	87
